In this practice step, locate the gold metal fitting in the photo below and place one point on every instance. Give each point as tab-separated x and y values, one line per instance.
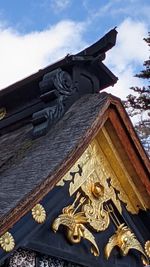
7	242
97	190
2	113
39	213
147	248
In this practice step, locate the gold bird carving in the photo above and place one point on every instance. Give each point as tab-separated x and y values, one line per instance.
125	240
75	227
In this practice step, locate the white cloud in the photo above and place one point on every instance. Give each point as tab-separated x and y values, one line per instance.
117	8
60	5
99	12
129	52
134	10
21	55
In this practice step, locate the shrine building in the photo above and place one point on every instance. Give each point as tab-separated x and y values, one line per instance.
74	177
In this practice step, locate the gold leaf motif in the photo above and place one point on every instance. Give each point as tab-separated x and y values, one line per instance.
100	185
39	213
83	161
147	248
7	242
2	113
96	215
95	159
108	172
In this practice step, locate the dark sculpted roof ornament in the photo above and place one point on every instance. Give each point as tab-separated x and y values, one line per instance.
56	85
44	97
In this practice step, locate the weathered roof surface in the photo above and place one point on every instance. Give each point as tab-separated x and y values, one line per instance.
25	162
30	168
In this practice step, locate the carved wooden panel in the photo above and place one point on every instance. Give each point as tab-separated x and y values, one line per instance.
46	261
26	258
22	258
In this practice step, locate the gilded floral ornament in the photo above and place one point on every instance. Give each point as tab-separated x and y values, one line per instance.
147	248
7	242
39	213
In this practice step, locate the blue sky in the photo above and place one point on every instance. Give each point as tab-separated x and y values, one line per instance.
33	34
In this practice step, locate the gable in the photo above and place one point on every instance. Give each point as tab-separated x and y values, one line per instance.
100	161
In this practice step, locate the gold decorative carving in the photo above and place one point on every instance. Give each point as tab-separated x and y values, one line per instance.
99	188
122	171
39	213
82	162
97	193
108	172
74	222
7	242
125	239
2	113
147	248
145	262
88	177
94	159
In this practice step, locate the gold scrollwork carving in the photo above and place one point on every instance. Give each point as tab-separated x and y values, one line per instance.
7	242
95	191
98	191
94	210
82	162
94	159
75	223
39	213
96	194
